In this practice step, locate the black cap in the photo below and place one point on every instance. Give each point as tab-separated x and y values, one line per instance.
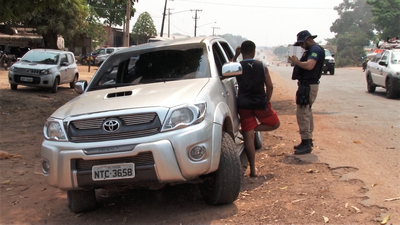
302	37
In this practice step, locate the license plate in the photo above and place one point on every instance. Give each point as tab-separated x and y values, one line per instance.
113	171
27	79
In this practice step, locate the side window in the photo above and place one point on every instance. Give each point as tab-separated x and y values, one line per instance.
227	50
219	58
70	58
109	50
385	56
63	59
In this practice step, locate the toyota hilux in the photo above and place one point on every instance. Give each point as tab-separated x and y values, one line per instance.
158	114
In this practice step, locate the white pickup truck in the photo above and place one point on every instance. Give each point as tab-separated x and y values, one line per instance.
384	71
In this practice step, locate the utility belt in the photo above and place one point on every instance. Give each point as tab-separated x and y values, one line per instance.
307	82
303	92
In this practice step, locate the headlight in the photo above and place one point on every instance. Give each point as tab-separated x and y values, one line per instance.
54	131
44	72
14	69
332	60
184	116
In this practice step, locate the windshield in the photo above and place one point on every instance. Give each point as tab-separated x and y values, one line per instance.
327	53
164	65
50	58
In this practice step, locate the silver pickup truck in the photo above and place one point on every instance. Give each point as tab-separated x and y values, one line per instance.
157	114
384	71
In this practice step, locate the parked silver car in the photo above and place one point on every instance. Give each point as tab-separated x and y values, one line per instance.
152	115
101	57
44	68
384	71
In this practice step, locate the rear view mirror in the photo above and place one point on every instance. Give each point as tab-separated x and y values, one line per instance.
231	69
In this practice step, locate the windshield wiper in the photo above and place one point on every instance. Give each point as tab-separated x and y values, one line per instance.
167	79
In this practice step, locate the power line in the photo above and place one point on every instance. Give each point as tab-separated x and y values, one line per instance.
260	6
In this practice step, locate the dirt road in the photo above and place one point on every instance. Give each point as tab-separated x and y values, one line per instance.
291	190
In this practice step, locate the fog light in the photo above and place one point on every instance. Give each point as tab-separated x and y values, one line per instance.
197	153
45	166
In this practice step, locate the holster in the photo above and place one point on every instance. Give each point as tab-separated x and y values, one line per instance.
303	94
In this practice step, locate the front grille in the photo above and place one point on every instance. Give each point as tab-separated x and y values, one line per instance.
35	80
132	126
142	159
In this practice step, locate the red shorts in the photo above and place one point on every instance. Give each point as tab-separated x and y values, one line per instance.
249	117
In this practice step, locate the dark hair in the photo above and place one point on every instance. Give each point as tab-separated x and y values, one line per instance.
247	47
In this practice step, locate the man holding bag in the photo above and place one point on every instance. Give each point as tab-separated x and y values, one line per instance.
307	71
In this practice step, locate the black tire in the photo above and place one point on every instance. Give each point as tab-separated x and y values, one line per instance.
54	88
370	84
81	200
390	92
72	84
13	86
332	71
257	140
223	186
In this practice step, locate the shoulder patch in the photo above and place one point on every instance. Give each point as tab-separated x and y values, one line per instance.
314	54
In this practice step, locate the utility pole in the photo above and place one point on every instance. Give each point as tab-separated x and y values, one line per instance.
163	18
128	18
195	19
169	23
213	29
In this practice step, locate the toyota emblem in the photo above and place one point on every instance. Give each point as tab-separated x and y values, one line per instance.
111	125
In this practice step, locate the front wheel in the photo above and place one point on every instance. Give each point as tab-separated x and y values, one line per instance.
54	88
257	140
13	86
390	92
72	84
81	200
370	84
223	186
332	71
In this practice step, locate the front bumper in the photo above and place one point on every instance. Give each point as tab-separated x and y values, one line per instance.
160	158
328	66
31	80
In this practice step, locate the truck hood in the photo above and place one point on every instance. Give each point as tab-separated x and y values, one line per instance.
162	94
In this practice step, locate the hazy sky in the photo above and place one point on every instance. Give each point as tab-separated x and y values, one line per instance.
266	22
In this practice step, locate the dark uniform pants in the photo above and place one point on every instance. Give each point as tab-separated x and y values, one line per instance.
304	115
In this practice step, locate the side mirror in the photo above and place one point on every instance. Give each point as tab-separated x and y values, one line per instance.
232	69
80	86
382	63
333	55
64	64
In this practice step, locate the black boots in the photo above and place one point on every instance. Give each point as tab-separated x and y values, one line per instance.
304	147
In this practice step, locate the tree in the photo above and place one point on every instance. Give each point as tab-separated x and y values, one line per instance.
353	29
94	29
386	17
143	29
112	11
233	40
280	51
49	17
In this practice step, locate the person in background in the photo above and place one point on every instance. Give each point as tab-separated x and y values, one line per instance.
307	71
253	101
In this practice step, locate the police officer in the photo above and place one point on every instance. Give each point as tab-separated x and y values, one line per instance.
307	71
